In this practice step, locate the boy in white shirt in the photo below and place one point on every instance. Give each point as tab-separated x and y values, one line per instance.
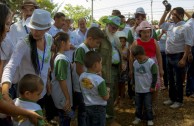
94	90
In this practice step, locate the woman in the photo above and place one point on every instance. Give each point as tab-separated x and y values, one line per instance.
5	107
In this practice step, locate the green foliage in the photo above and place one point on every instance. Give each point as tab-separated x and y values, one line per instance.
47	5
76	12
102	23
155	22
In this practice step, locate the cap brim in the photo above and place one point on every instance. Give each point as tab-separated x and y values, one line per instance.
107	21
36	6
29	25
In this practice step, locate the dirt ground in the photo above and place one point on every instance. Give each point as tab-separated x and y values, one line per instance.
164	115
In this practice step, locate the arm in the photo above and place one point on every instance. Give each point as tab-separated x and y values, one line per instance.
79	60
154	77
13	111
131	60
65	91
10	68
162	20
2	62
79	68
159	59
103	91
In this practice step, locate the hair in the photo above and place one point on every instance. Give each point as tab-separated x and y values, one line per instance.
137	50
91	58
34	55
193	15
95	33
180	11
116	12
4	12
29	82
58	38
59	15
123	38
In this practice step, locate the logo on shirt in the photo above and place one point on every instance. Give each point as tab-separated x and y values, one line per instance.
141	70
86	83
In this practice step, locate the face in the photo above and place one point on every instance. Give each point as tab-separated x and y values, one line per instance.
139	19
98	66
82	24
94	43
67	45
7	25
27	11
175	15
60	22
112	28
35	96
140	58
123	42
145	34
38	34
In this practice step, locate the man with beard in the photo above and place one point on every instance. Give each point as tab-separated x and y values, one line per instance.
111	63
19	29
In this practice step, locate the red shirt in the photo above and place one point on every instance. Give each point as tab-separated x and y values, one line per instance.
149	47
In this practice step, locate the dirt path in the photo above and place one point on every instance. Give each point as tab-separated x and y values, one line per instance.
165	116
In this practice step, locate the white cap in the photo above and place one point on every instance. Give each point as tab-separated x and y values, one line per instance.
140	10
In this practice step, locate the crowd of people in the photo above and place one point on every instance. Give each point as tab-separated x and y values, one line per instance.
47	65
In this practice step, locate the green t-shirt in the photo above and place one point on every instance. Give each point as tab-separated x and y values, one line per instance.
102	90
79	56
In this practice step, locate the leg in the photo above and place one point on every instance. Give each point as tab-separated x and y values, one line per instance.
148	105
64	120
138	105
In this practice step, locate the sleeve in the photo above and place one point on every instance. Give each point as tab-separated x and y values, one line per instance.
130	38
188	35
14	62
154	72
165	26
79	56
6	49
102	90
155	35
61	70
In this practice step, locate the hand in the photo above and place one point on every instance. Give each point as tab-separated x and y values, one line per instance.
67	106
190	58
181	63
152	89
7	98
34	117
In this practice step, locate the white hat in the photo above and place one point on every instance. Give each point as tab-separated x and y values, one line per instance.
40	20
144	25
140	10
121	34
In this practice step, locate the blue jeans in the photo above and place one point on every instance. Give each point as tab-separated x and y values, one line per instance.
143	104
190	77
176	77
64	120
95	115
78	101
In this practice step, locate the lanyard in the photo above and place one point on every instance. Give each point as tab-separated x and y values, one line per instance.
40	68
26	29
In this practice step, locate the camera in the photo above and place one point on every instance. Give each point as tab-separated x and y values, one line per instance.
167	5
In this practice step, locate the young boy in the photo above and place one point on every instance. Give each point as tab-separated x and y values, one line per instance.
93	40
94	90
30	88
145	74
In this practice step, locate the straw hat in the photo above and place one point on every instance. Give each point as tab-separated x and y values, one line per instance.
29	3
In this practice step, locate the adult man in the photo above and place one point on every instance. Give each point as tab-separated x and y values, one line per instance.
19	29
178	45
111	62
59	18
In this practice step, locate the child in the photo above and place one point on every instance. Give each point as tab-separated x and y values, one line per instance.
61	90
93	40
145	74
124	76
94	90
30	88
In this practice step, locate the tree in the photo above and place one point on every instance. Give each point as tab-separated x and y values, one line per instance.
76	12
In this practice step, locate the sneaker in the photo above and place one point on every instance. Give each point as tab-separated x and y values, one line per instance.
176	105
150	123
168	102
136	121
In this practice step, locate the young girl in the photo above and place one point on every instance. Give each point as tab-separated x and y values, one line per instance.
61	90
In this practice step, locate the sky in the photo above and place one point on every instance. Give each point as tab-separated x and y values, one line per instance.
127	7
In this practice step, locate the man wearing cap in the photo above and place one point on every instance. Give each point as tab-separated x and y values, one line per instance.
19	29
110	50
140	16
59	18
178	46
